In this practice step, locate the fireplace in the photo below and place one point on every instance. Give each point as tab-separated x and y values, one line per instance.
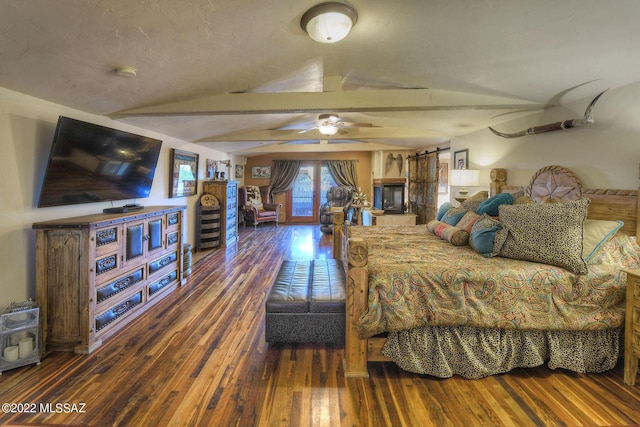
388	195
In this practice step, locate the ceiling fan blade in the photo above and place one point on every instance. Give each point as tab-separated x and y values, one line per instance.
308	130
357	125
347	141
295	126
300	142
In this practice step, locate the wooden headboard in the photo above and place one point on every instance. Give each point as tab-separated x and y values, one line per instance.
557	184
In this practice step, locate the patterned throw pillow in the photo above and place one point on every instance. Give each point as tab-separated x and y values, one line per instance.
467	221
597	233
454	215
472	203
483	234
454	235
253	197
549	233
442	210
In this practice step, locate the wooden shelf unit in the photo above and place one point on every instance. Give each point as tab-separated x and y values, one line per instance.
227	193
96	273
208	227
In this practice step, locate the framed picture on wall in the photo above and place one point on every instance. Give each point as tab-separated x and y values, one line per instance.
461	159
184	173
261	172
212	168
239	171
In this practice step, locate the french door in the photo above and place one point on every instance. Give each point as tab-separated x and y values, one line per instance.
309	191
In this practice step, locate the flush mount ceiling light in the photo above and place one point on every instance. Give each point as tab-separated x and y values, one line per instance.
329	22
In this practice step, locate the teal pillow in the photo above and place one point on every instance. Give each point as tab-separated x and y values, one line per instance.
490	206
483	235
443	210
454	215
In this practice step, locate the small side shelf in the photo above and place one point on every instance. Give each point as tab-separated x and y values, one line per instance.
208	227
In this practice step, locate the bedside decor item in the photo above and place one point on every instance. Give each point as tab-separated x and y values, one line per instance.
563	125
464	178
184	173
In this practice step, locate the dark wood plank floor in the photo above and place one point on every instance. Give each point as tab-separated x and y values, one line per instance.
199	358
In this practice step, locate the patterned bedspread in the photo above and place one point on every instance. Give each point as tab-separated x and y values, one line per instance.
416	279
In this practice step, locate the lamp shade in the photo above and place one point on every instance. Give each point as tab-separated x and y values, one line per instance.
464	178
329	22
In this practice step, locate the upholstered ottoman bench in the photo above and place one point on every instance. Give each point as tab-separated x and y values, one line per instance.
306	303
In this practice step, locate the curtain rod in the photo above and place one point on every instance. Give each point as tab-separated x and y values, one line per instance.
437	150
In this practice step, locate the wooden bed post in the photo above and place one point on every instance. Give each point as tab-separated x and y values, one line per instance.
498	180
355	349
338	220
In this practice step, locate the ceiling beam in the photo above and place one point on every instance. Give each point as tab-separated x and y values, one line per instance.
295	135
385	100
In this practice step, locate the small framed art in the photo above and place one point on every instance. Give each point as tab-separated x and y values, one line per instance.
461	159
184	173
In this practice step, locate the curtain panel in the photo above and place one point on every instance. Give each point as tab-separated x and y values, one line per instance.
283	174
343	172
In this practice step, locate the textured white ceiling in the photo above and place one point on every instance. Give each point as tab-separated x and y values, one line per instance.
219	71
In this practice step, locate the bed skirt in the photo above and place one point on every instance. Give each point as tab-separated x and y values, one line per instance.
472	353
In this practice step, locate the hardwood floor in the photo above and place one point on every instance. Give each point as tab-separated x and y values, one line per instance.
199	358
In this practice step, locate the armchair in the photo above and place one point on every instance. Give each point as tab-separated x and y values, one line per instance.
336	197
250	200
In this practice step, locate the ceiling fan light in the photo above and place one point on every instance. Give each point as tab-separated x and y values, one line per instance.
328	129
329	22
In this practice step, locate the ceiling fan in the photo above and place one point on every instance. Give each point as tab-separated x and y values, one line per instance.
330	124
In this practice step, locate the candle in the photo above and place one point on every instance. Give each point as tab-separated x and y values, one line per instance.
15	338
25	347
11	353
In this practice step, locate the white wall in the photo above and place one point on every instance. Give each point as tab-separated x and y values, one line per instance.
603	155
27	125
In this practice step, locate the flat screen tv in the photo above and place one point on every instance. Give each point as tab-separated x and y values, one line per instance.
90	163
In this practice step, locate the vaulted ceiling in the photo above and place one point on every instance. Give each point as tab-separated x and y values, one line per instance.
243	77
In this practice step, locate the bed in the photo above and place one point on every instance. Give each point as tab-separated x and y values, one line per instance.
423	298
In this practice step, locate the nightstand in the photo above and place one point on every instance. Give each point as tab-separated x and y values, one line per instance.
632	327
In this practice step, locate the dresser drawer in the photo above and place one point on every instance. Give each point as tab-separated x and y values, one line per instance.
162	283
118	285
119	310
106	240
162	262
